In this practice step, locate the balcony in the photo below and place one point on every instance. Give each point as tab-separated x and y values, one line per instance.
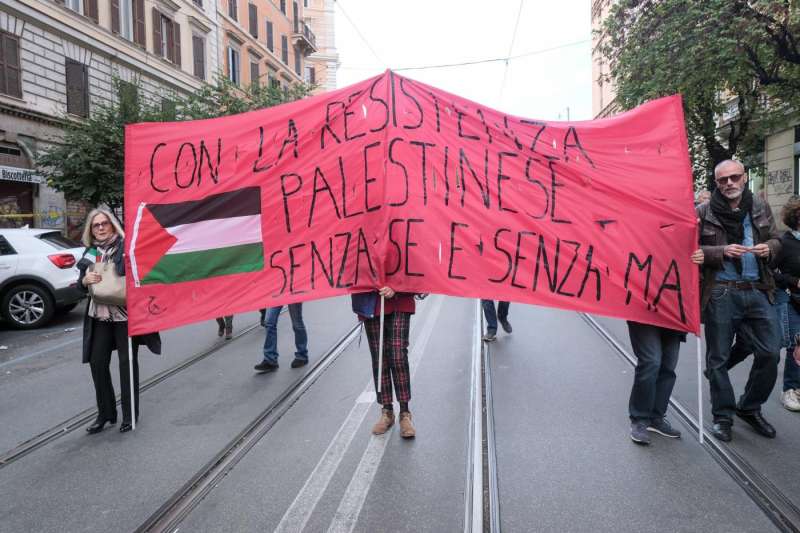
303	38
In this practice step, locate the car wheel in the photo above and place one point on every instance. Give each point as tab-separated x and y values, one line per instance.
27	306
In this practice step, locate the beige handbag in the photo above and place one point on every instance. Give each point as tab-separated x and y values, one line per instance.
110	290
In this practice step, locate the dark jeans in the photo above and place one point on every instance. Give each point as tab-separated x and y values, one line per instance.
789	325
656	352
493	316
300	335
107	337
747	314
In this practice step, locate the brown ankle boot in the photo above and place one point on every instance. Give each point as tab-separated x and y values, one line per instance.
407	430
384	423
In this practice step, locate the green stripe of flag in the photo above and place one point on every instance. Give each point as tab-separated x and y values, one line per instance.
191	266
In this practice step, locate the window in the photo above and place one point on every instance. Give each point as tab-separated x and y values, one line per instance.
169	108
254	74
84	7
199	56
5	247
270	44
57	241
233	9
77	88
75	5
10	74
253	19
298	65
128	98
296	17
305	3
233	65
198	3
284	50
283	6
274	82
122	18
166	38
311	76
139	36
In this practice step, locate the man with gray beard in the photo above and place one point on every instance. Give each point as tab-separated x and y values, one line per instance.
738	238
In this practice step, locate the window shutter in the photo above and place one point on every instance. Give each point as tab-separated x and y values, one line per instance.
284	50
270	37
295	18
115	16
10	66
199	57
253	19
139	35
77	88
233	9
157	33
170	41
254	74
90	10
177	37
3	89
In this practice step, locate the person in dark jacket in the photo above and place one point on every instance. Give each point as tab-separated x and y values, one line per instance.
738	239
398	308
787	278
105	327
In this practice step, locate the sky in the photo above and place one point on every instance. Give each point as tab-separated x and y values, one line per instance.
373	35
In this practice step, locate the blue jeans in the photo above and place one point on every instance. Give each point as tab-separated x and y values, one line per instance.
492	316
747	314
300	336
656	352
788	325
791	372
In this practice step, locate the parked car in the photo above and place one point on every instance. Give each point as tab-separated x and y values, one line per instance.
38	277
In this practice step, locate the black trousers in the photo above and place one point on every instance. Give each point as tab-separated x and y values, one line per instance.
107	337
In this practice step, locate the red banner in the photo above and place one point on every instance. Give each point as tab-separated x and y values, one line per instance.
393	182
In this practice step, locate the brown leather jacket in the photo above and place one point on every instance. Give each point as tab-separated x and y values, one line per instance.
713	241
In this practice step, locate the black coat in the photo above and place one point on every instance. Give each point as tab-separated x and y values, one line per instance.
151	340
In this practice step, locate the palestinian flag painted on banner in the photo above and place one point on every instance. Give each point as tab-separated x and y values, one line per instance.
199	239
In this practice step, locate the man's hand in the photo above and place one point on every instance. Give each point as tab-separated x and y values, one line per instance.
698	258
736	250
386	292
761	250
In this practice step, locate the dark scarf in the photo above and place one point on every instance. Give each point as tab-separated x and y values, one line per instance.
107	246
732	220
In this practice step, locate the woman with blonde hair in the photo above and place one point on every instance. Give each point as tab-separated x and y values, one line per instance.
105	326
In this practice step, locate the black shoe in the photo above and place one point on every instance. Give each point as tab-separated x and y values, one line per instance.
489	337
125	427
722	431
265	366
228	333
639	433
664	428
97	426
297	363
757	422
506	325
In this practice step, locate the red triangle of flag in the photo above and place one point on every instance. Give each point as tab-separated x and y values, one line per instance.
152	242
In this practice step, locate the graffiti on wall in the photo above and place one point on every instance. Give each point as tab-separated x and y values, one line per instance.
780	181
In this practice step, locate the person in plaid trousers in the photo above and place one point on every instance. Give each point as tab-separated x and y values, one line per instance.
396	375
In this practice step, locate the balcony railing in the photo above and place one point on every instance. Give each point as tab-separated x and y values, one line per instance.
303	37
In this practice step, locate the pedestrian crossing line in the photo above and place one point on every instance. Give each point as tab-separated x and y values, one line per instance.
353	499
299	512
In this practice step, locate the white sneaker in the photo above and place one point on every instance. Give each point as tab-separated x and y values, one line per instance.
790	400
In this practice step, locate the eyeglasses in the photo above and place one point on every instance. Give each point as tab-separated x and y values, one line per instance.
733	178
100	225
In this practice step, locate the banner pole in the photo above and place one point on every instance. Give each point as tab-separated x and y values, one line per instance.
699	389
130	377
380	349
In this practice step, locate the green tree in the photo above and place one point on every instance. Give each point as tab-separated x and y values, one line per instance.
732	60
88	164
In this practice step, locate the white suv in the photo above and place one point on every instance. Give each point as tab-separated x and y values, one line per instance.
38	276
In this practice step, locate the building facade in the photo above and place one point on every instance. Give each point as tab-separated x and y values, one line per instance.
264	42
59	59
321	66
